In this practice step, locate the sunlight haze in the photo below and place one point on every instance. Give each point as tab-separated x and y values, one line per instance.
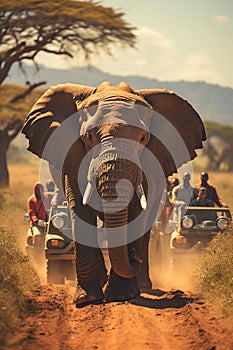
177	40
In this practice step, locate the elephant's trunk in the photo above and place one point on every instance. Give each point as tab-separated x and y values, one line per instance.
116	181
122	264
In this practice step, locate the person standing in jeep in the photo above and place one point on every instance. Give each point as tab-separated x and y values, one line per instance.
182	195
211	192
37	205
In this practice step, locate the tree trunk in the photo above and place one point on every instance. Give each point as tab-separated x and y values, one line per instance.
8	131
4	144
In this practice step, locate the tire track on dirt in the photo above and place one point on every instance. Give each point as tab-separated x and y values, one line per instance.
159	320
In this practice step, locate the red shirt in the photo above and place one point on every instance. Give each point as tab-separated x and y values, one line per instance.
37	206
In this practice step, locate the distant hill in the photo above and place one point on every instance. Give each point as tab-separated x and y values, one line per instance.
213	102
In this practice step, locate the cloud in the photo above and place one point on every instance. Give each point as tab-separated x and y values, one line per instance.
157	39
156	56
198	66
153	52
221	19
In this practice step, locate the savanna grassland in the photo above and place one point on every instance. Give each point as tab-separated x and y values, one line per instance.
17	275
24	175
22	178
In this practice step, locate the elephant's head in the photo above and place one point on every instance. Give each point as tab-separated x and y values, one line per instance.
114	141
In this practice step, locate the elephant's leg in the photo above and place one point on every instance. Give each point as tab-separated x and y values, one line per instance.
91	274
120	288
101	268
90	266
144	280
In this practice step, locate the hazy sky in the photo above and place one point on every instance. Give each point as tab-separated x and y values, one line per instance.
177	40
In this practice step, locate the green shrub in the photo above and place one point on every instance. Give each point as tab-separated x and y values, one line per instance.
17	278
216	272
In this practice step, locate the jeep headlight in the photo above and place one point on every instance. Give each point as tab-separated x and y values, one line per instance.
187	222
58	221
222	223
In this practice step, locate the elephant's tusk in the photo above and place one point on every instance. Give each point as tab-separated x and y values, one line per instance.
143	201
87	193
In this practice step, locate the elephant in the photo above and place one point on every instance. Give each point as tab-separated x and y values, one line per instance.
114	148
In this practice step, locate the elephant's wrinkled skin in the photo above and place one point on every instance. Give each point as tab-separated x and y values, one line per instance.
114	147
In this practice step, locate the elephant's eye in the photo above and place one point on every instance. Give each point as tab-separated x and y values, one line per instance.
91	137
88	136
145	138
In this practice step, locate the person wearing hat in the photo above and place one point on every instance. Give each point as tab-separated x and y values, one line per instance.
211	192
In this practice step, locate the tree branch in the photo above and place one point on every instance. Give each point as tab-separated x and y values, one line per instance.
27	92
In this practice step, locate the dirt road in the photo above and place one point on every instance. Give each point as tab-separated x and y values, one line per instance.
159	320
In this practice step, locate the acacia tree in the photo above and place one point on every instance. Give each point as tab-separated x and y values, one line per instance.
15	101
60	27
219	146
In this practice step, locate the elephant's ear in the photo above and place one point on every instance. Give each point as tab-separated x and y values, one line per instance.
176	129
53	108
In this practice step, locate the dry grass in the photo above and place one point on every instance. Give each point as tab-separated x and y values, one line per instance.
223	183
22	178
215	274
17	276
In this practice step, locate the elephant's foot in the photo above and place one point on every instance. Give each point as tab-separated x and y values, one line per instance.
144	281
144	284
121	289
87	296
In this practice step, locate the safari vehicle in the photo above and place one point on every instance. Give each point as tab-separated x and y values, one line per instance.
180	243
197	228
59	247
33	249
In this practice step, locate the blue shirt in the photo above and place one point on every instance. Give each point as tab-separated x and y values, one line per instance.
196	203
